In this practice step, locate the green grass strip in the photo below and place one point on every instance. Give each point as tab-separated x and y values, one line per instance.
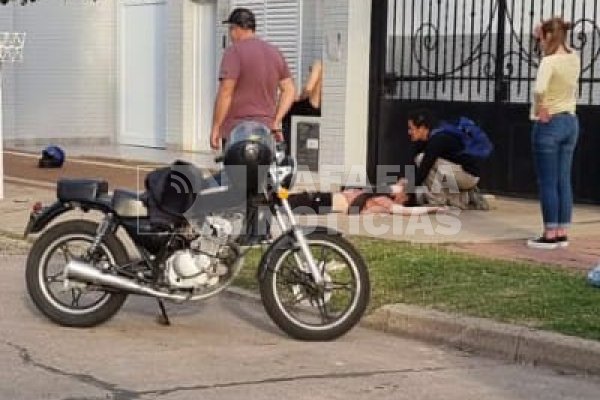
522	293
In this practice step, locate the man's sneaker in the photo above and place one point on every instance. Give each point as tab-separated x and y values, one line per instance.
563	241
542	243
477	201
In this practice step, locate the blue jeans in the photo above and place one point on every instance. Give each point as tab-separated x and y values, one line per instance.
553	147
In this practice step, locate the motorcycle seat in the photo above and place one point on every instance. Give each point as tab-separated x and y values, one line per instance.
84	190
129	204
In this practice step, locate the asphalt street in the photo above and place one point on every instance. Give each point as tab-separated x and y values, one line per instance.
227	348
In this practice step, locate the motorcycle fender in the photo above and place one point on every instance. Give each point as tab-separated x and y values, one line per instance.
39	220
288	241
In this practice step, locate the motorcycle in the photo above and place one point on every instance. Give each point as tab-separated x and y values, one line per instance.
313	283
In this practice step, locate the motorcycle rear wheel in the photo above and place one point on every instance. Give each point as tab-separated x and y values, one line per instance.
47	289
299	308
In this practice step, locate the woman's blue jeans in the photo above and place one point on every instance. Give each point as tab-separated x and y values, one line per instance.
553	147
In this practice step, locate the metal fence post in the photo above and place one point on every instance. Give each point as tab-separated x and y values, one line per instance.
501	85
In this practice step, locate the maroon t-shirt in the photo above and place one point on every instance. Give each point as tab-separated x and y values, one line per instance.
257	67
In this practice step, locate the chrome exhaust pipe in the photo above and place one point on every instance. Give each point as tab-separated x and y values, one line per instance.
83	272
80	271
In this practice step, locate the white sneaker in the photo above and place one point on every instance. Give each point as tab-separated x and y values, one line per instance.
563	241
541	243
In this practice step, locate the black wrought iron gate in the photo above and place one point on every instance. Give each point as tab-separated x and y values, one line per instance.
478	58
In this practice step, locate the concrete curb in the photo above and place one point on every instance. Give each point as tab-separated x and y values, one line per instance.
516	343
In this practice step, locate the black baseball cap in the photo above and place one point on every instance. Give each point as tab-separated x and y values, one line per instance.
242	17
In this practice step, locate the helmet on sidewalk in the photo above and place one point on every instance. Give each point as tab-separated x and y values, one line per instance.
52	157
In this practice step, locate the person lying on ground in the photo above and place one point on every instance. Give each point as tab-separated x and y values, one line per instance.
359	201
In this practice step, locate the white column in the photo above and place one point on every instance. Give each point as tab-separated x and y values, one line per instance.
357	84
347	38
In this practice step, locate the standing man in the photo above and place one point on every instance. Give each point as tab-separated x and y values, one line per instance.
251	72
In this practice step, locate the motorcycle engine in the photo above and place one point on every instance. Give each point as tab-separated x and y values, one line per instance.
210	256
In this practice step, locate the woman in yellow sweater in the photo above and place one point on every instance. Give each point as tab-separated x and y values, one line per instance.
555	131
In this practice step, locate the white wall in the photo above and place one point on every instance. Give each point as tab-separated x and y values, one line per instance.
312	36
347	35
65	88
6	18
333	112
67	85
8	76
357	85
175	81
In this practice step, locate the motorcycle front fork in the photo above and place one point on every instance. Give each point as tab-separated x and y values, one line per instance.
290	223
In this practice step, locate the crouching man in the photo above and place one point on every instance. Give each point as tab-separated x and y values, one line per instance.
447	162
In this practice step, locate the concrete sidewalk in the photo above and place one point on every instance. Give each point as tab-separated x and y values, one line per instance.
499	233
511	219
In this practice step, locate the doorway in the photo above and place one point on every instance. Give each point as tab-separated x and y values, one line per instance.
143	73
205	72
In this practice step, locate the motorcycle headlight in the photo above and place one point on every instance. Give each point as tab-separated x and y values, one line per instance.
251	152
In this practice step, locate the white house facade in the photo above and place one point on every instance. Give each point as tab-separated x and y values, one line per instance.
143	72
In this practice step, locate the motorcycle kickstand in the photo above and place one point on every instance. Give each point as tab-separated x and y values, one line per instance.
163	319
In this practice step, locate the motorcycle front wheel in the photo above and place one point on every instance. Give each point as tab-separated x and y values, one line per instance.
307	311
72	303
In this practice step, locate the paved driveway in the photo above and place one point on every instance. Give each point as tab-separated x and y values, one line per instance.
227	348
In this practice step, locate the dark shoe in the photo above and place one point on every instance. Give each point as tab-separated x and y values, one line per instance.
477	201
542	243
563	241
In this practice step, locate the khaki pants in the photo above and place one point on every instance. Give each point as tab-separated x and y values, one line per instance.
446	184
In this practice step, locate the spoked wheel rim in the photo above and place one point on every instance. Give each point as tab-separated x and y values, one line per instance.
304	304
75	298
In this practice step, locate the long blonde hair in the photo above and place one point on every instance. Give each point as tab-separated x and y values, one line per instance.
557	29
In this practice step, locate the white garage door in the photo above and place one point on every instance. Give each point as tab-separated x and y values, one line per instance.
143	72
279	22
